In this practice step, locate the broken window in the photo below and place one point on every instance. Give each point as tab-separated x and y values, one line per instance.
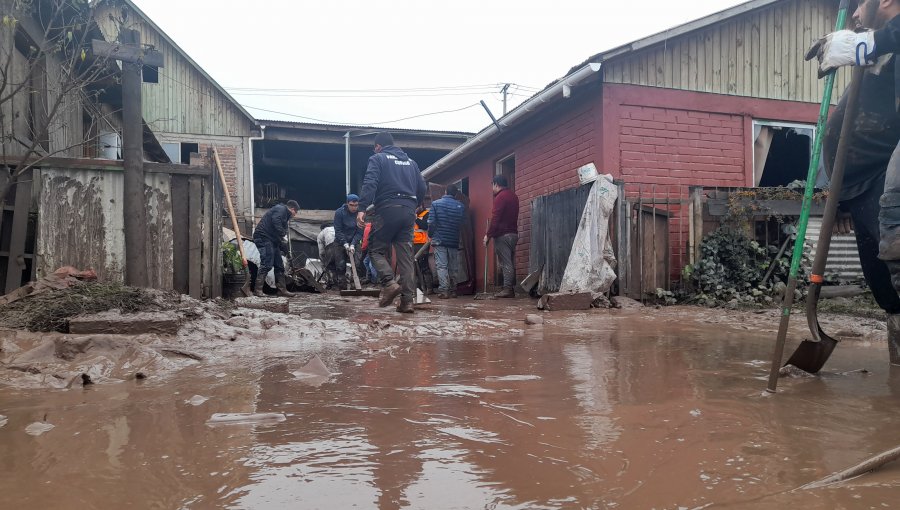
781	152
507	168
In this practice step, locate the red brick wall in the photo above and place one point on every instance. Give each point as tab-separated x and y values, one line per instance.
228	157
670	147
659	141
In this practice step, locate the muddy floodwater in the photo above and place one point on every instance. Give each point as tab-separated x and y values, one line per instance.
607	409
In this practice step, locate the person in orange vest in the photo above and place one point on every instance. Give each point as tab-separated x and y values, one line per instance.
420	237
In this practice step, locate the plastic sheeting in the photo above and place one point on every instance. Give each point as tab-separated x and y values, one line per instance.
591	262
252	254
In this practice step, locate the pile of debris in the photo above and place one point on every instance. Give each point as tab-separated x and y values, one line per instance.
53	302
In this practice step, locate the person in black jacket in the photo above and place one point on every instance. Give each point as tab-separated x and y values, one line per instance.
269	238
347	236
394	186
871	191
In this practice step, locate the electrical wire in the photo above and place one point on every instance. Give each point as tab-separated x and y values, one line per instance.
203	92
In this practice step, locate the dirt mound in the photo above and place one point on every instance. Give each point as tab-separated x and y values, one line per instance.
51	309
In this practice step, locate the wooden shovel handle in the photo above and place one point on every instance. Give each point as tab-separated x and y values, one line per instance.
234	223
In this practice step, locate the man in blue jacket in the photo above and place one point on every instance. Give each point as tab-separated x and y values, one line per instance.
444	221
346	235
269	237
394	186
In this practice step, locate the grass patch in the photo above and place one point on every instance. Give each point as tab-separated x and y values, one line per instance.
50	311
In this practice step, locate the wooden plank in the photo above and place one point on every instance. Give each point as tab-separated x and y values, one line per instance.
127	53
195	211
180	233
622	244
176	169
216	194
16	262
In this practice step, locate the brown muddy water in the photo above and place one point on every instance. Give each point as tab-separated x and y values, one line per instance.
596	410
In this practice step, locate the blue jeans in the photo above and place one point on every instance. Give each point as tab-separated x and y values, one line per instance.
447	262
370	269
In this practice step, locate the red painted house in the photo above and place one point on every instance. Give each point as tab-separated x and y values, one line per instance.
726	100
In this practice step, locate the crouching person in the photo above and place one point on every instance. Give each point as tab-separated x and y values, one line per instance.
268	237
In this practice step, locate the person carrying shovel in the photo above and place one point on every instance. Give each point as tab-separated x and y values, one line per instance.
346	234
394	185
871	188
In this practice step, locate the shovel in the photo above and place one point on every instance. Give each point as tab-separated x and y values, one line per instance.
245	289
357	289
485	295
811	174
811	355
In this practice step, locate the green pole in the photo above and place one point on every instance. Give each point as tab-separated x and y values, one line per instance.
797	255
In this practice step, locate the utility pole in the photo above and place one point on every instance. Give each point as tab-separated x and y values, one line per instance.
134	210
503	91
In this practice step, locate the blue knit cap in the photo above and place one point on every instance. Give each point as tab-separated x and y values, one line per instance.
352	198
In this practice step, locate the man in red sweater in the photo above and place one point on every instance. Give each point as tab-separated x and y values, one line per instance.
504	230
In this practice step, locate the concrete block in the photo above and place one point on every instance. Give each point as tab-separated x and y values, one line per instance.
271	304
116	323
625	303
561	301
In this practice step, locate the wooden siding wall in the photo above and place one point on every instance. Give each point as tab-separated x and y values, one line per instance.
184	100
758	54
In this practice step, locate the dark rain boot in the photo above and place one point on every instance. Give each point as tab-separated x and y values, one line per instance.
505	293
282	287
388	293
405	306
258	287
893	338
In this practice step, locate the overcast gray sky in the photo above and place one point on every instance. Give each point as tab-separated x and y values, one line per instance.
367	62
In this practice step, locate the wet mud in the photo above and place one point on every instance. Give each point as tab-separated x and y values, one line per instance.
462	405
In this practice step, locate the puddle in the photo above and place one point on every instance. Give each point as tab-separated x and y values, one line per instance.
598	410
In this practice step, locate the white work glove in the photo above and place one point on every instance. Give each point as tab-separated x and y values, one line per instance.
352	248
843	48
346	247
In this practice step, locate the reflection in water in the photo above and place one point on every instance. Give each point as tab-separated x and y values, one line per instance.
602	412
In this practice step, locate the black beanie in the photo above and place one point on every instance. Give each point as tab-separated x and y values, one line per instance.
384	139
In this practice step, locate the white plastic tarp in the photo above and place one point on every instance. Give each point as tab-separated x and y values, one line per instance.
252	254
591	262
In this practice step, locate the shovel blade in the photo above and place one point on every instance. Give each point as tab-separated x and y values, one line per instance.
361	292
811	356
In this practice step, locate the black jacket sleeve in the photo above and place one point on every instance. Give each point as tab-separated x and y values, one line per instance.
887	39
339	236
281	223
370	183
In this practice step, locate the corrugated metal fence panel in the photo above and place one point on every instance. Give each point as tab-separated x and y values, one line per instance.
554	223
758	54
843	255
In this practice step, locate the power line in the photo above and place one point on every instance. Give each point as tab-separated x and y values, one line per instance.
203	92
360	123
488	86
365	96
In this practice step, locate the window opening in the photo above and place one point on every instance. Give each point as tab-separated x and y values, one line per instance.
186	150
781	152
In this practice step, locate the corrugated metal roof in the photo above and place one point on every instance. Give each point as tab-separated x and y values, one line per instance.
843	255
352	127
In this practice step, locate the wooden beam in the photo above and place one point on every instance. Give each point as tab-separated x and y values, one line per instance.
175	169
127	52
134	207
180	233
195	240
16	262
